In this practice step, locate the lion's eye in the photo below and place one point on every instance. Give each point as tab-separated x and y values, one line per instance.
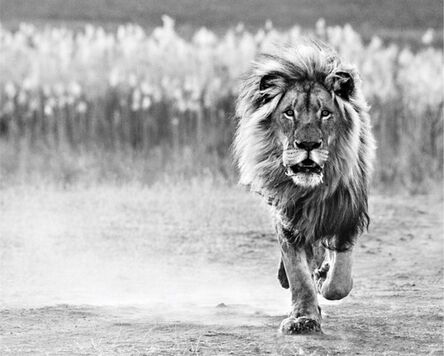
325	114
289	113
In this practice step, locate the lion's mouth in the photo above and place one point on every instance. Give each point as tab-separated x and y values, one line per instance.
307	166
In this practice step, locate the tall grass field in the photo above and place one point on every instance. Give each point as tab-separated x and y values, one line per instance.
128	104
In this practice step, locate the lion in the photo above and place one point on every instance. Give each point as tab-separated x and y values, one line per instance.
304	143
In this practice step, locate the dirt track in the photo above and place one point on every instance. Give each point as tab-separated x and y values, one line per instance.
81	275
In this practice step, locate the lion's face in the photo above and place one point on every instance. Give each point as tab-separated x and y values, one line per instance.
302	121
305	123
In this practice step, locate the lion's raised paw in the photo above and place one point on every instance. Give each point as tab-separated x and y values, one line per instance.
301	325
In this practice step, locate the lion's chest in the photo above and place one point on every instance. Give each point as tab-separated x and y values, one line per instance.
307	221
311	218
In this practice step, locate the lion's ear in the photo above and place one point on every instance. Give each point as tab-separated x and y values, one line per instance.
271	85
343	84
269	80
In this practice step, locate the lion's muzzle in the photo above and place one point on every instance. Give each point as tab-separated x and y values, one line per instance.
305	165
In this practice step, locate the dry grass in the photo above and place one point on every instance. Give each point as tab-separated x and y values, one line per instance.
125	105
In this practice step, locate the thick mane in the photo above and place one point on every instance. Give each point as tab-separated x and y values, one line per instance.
337	208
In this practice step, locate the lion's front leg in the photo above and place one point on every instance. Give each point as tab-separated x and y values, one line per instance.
334	278
305	315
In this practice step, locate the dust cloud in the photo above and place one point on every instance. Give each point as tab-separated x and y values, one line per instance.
58	253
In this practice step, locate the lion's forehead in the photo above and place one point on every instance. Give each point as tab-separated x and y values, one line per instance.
306	96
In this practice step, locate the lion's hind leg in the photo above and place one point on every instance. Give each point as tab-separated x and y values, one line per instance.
320	275
282	276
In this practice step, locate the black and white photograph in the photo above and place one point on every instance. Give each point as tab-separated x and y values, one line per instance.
221	177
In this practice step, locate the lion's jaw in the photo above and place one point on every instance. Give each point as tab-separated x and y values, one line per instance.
305	168
307	180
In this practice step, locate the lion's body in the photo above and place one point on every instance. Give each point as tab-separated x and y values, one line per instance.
306	94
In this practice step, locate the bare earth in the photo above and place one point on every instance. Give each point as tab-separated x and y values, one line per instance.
191	271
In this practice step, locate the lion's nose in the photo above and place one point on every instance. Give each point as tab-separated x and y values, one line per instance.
308	145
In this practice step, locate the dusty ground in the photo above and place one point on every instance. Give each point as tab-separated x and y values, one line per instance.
192	271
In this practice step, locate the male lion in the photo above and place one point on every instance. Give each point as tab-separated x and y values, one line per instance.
304	143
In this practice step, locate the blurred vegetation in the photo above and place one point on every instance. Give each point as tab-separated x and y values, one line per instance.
403	21
124	104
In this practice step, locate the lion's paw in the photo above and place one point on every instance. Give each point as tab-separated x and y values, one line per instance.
301	325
